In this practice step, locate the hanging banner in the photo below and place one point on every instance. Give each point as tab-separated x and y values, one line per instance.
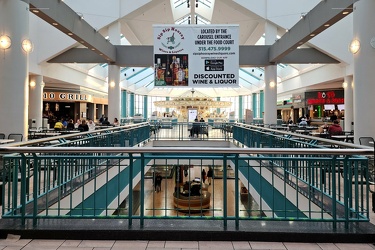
196	55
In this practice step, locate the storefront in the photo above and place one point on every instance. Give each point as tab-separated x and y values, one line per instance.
70	105
325	104
284	109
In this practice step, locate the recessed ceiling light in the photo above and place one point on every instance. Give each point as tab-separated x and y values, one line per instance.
36	11
55	24
70	34
312	34
326	25
345	12
82	41
92	48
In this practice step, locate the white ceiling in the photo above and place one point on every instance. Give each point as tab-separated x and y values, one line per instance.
137	27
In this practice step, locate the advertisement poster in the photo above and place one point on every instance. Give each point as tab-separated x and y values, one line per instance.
196	55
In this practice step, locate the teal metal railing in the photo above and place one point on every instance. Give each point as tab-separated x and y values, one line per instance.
102	175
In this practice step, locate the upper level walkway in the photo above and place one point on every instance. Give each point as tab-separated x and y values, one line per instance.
268	185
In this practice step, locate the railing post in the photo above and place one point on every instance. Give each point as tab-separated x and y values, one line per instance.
35	189
236	192
23	188
142	190
130	206
334	168
225	187
346	193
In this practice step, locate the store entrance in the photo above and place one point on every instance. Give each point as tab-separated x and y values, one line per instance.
55	111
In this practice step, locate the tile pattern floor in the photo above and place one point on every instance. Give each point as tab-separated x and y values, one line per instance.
25	244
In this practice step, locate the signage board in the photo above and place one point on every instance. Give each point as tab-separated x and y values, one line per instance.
196	55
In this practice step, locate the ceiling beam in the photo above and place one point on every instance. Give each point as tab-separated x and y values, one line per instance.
62	17
322	16
142	56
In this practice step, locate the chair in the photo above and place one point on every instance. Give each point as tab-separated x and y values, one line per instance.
16	137
2	136
366	141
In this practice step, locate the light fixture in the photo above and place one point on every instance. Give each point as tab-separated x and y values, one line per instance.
272	84
55	24
112	84
312	34
344	85
27	46
70	33
354	46
5	42
32	84
345	12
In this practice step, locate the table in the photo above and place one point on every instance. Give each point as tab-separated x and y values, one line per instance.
345	138
45	134
4	141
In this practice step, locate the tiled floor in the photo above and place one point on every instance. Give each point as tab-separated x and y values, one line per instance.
24	244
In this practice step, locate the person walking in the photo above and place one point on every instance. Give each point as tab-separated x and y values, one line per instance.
209	175
204	176
158	180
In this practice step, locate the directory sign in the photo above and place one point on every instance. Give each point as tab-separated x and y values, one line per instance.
196	55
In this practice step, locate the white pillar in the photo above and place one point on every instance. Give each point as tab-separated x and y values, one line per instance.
36	86
348	97
270	80
364	73
114	90
14	75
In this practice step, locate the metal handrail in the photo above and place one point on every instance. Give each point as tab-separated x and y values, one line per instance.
139	150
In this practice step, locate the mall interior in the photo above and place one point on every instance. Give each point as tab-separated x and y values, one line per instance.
248	174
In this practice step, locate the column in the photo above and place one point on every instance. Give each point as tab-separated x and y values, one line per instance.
36	86
14	68
218	109
145	107
240	108
270	80
167	99
124	106
364	73
254	103
114	89
131	104
261	105
348	97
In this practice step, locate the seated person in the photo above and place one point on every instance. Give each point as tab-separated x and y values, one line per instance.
91	125
335	128
195	129
116	123
106	122
303	122
59	125
70	125
83	126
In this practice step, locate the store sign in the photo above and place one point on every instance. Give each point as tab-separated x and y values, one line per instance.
325	97
196	55
60	96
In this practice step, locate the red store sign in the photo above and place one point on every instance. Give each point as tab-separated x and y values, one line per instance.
325	97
